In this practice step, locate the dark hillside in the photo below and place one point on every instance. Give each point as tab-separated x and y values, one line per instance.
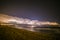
10	33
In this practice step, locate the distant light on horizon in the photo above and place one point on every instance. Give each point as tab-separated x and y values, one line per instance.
8	19
31	22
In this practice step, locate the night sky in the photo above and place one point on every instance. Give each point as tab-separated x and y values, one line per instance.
35	10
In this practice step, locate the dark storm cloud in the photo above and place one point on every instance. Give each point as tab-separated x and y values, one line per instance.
39	10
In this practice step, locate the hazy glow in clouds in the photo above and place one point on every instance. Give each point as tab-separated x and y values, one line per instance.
16	20
6	18
32	22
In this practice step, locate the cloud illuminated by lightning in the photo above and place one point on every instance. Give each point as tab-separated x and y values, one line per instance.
6	18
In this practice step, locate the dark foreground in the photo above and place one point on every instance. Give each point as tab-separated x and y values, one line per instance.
11	33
